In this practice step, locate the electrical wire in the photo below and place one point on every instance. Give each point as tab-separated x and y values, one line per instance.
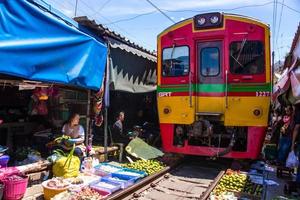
157	8
273	25
123	30
101	8
131	18
236	8
198	11
228	9
277	34
274	34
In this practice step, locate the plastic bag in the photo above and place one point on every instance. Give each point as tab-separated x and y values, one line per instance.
67	166
292	160
140	149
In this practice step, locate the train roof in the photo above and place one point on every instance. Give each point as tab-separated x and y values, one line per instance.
186	21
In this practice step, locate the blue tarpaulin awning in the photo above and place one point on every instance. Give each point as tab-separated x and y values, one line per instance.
39	43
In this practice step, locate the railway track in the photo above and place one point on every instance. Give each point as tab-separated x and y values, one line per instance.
192	179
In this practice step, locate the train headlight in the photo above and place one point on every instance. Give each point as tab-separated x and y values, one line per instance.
201	21
208	21
257	112
214	19
167	110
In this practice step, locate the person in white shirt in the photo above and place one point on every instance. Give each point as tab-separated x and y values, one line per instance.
76	132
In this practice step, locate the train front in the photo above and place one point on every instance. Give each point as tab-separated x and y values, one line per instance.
214	86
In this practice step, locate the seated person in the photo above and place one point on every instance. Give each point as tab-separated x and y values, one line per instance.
117	130
76	133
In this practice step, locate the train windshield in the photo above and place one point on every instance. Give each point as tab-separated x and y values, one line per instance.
175	61
247	57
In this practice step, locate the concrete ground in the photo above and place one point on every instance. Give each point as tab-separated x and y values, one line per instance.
274	192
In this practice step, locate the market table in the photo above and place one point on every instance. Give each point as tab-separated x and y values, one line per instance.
100	152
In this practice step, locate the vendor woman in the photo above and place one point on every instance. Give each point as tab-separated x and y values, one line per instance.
76	132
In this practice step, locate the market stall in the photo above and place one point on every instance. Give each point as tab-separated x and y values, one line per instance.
101	180
49	65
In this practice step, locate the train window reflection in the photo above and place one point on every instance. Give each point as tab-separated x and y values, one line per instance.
210	61
247	57
175	61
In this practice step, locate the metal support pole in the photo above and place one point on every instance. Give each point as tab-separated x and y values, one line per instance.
76	4
105	133
272	69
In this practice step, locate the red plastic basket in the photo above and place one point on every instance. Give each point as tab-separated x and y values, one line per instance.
15	189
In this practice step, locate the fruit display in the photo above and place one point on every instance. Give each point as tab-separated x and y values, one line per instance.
83	194
237	182
86	194
63	196
148	166
57	183
75	181
254	189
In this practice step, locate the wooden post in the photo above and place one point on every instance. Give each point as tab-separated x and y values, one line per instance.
88	119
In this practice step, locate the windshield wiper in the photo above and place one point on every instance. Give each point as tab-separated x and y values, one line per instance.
243	44
237	61
242	47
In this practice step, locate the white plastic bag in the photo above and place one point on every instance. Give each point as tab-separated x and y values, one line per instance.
292	160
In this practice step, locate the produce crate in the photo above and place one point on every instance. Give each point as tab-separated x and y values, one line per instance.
105	169
129	174
104	185
125	183
235	185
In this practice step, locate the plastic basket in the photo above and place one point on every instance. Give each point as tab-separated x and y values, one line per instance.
4	160
51	192
15	189
128	174
102	185
123	182
105	169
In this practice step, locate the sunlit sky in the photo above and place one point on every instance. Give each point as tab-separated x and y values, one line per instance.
140	22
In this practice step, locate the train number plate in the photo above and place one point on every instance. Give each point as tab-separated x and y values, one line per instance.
263	94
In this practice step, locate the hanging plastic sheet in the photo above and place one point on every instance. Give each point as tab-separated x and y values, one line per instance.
39	43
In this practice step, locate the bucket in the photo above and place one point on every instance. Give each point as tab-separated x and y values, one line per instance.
4	160
51	192
15	189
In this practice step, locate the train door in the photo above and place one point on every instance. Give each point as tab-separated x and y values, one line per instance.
210	87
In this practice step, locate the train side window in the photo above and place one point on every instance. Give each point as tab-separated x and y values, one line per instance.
247	57
175	61
210	61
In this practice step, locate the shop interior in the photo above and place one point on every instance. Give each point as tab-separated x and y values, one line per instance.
33	113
